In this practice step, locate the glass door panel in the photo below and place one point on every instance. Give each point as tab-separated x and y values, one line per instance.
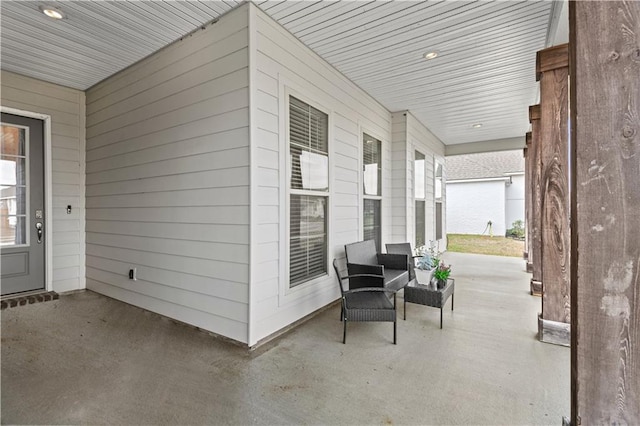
13	186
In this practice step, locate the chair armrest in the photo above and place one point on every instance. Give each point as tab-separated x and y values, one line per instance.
361	276
365	275
369	289
359	269
394	261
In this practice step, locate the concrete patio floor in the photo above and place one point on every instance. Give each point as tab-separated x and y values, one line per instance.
88	359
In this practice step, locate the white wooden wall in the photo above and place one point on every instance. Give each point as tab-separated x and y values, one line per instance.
473	204
514	201
67	110
402	181
168	180
175	189
284	66
410	135
420	138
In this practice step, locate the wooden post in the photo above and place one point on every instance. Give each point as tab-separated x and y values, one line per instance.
536	202
605	202
527	203
553	73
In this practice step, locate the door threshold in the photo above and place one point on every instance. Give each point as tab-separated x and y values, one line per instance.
27	298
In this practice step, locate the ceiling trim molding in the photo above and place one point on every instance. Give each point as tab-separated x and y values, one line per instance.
475	180
494	145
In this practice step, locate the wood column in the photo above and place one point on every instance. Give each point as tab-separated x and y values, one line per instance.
552	66
605	269
536	202
527	202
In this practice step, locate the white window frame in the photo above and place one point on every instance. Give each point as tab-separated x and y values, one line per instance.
424	197
437	161
289	294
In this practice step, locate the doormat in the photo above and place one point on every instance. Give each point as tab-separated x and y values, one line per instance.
18	300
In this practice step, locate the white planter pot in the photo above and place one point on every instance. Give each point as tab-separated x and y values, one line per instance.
424	277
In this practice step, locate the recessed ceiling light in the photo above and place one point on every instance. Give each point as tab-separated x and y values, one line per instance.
430	55
476	125
52	12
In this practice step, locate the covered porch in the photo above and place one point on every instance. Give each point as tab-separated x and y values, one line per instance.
98	360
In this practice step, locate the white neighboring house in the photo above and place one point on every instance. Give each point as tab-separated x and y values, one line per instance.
482	188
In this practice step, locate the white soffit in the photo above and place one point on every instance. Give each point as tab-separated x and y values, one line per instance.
97	38
484	73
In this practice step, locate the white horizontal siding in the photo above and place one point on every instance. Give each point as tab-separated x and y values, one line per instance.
67	110
421	139
168	180
514	201
401	159
409	136
472	205
282	63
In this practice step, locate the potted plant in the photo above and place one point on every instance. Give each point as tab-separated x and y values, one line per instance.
425	265
441	274
424	269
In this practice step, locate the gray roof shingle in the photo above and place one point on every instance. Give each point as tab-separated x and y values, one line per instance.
484	165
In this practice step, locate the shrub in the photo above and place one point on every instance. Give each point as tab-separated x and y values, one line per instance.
516	230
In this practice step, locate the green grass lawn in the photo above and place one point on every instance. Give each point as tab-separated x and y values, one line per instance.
484	244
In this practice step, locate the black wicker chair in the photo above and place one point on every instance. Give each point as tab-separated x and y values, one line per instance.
366	303
404	248
362	258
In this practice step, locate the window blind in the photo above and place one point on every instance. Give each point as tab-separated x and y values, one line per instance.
308	146
418	174
371	156
309	165
438	220
420	223
371	219
307	238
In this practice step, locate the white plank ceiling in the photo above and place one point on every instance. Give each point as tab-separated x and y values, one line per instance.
484	73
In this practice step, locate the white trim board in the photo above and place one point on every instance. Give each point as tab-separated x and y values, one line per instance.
507	144
506	179
252	85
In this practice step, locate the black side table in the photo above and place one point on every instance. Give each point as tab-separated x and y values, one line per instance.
429	295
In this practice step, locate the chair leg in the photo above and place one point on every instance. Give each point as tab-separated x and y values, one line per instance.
344	331
441	318
452	296
405	308
394	332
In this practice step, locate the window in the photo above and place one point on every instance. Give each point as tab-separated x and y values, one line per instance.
372	229
419	195
308	238
438	188
309	170
13	185
438	220
372	181
438	196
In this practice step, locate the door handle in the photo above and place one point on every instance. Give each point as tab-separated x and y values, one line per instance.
39	231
